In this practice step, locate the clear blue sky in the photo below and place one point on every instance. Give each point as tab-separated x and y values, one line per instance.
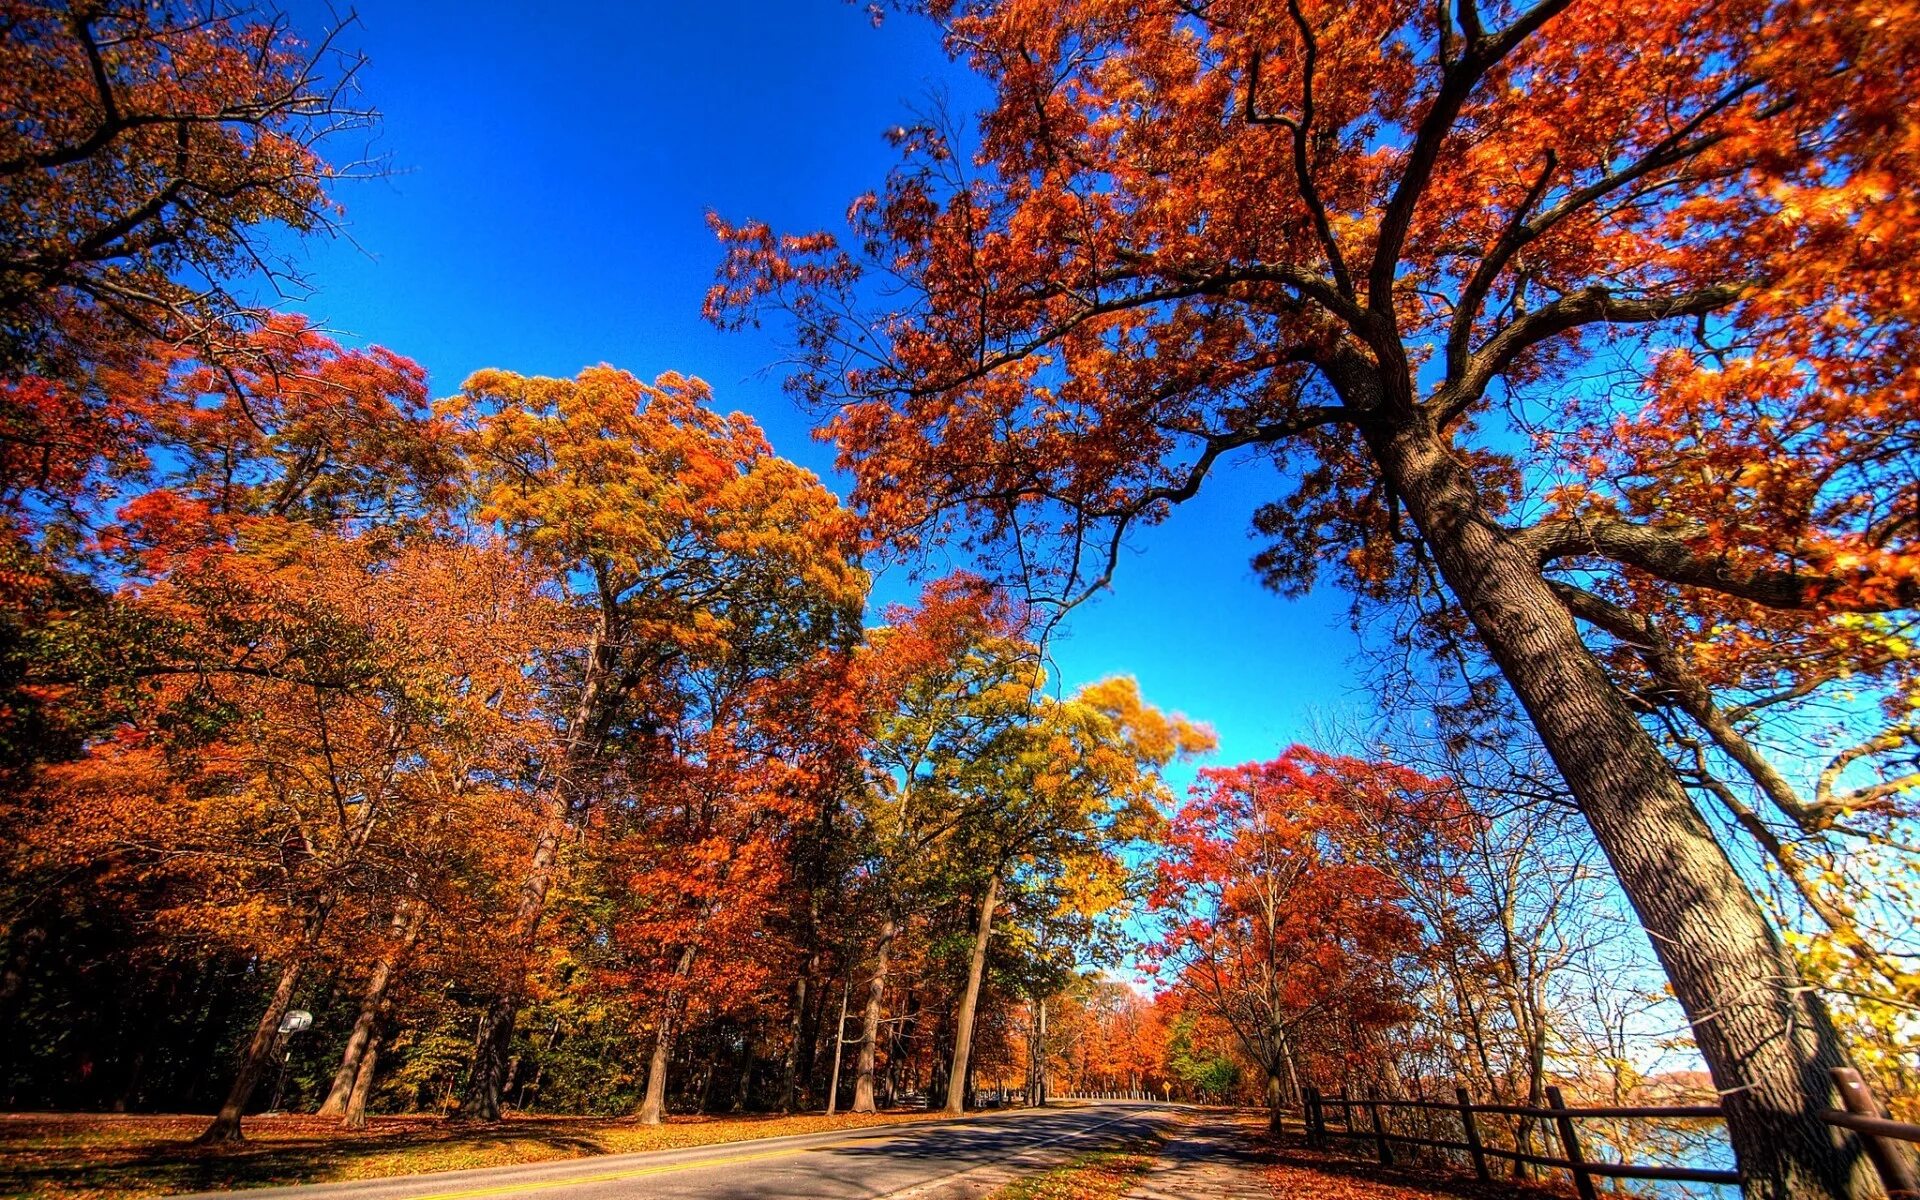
553	165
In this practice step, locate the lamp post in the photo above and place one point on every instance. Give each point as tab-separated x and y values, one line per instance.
297	1020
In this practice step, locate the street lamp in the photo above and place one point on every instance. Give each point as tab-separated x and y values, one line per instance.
297	1020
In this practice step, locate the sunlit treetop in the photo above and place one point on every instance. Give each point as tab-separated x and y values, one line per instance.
1183	230
148	151
678	518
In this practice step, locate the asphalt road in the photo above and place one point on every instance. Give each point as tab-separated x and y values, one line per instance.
862	1164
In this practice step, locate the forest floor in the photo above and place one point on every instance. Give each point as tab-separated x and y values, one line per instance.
88	1156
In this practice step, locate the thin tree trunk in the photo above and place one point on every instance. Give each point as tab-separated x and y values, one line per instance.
356	1112
870	1022
406	930
253	1063
1767	1039
653	1108
1038	1086
1293	1072
487	1074
969	999
790	1066
839	1051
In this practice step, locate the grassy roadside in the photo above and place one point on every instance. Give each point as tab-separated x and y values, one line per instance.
1096	1175
83	1157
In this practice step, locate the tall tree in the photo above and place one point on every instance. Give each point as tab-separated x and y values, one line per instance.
1282	922
1364	240
147	155
984	784
685	540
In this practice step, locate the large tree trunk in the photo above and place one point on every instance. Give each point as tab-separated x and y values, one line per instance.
969	999
653	1107
373	999
870	1022
253	1063
356	1111
1766	1038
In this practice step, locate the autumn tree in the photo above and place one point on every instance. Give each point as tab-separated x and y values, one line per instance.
1282	923
937	681
150	156
251	808
1374	244
1102	1035
706	867
149	150
984	785
686	542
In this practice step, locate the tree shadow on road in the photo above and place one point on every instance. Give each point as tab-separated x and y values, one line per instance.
71	1156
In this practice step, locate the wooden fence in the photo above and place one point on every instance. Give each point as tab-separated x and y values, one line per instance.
1879	1136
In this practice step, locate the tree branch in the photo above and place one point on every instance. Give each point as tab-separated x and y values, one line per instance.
1666	554
1589	306
1458	82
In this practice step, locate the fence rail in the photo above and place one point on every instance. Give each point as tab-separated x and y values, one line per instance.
1879	1136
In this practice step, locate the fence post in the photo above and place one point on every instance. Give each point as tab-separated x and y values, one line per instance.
1570	1143
1472	1127
1896	1169
1380	1128
1309	1103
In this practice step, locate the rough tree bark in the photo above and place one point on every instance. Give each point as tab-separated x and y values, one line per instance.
653	1106
407	924
870	1021
356	1111
969	1000
1767	1039
253	1062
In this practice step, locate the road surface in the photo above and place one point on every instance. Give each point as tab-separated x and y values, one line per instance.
862	1164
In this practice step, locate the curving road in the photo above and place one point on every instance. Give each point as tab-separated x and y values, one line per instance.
921	1160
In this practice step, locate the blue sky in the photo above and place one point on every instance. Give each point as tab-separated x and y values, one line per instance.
552	168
